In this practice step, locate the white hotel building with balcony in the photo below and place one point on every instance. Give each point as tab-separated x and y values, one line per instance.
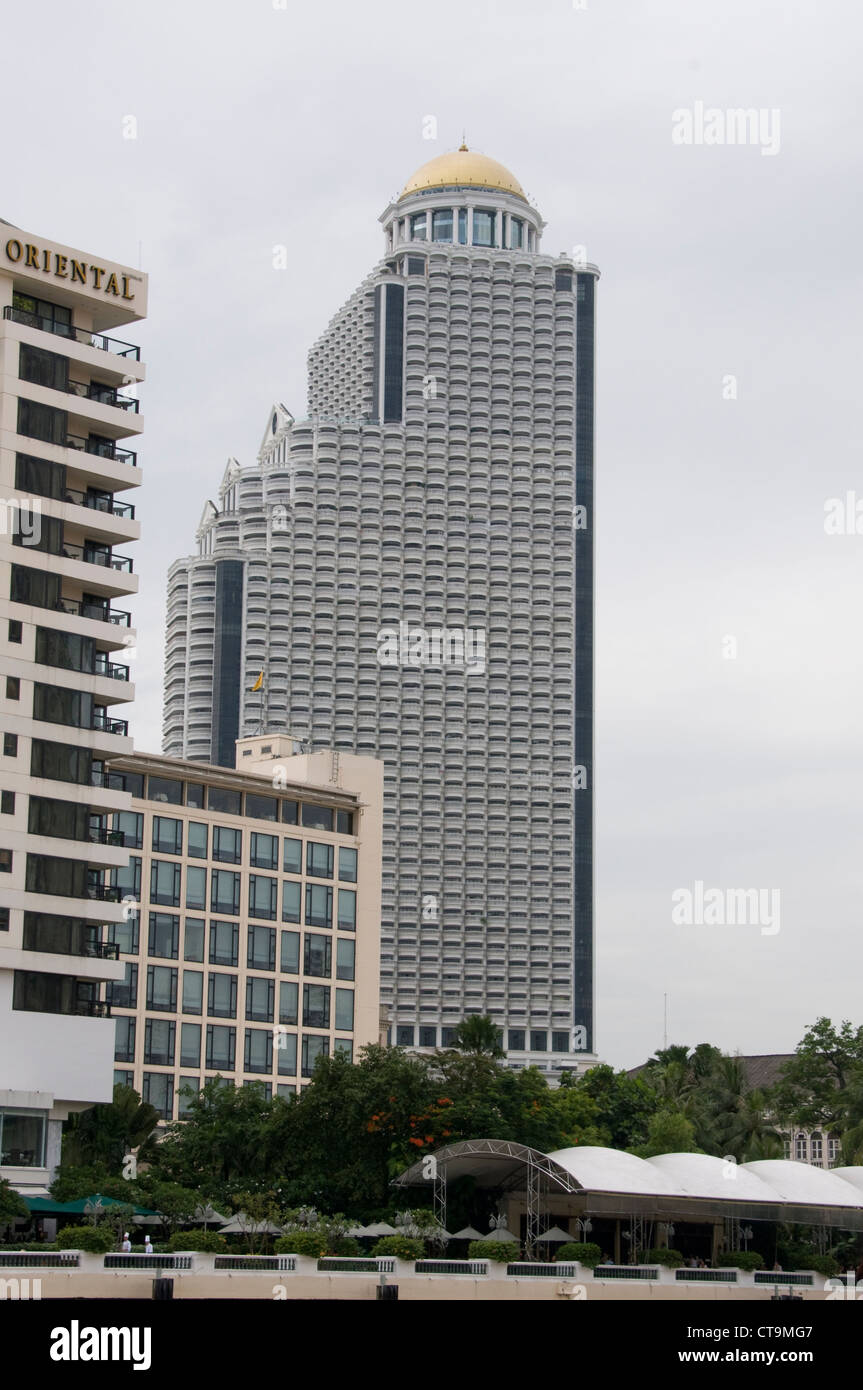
69	418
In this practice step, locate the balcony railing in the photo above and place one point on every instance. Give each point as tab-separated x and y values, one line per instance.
102	448
100	504
77	335
111	669
98	835
102	395
104	724
91	556
90	1008
118	616
102	892
90	950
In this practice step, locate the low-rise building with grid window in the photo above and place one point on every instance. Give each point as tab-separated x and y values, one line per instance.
251	923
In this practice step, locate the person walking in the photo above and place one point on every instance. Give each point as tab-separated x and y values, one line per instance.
126	1247
148	1246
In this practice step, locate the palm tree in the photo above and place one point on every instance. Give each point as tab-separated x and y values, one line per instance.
479	1034
105	1133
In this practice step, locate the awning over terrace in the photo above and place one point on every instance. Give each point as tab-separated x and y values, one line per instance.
593	1181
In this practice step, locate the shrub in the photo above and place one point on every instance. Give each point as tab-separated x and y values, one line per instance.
672	1259
96	1240
501	1251
742	1259
207	1242
347	1246
403	1247
582	1250
312	1243
824	1264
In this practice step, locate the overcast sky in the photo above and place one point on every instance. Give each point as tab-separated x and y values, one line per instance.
260	126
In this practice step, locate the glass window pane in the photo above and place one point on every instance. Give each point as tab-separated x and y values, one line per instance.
317	955
227	844
286	1053
164	935
162	988
347	864
261	807
165	789
193	941
264	851
290	953
317	817
221	1047
442	224
319	860
165	883
345	1010
258	1050
190	1044
293	857
262	948
319	905
222	799
197	840
347	909
291	896
167	835
196	886
263	893
259	999
224	943
288	1001
158	1091
159	1035
345	958
222	995
316	1006
193	993
225	892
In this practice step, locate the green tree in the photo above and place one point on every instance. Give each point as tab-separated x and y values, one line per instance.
668	1132
624	1105
73	1181
479	1034
175	1204
258	1212
358	1124
104	1134
12	1206
819	1085
231	1137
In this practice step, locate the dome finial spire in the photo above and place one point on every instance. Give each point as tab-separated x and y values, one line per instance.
463	145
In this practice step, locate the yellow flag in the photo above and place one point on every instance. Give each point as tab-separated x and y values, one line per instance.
259	682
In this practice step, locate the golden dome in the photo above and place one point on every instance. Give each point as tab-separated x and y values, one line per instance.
465	168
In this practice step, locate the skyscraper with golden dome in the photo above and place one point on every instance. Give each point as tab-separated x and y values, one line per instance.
411	567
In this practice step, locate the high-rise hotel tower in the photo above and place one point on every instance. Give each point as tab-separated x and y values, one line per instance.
411	569
68	416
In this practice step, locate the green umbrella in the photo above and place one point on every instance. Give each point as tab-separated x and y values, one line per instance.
46	1206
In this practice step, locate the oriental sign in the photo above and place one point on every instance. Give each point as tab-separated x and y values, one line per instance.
95	277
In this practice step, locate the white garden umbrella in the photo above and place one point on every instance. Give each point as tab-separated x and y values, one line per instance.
500	1233
555	1236
380	1228
468	1233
